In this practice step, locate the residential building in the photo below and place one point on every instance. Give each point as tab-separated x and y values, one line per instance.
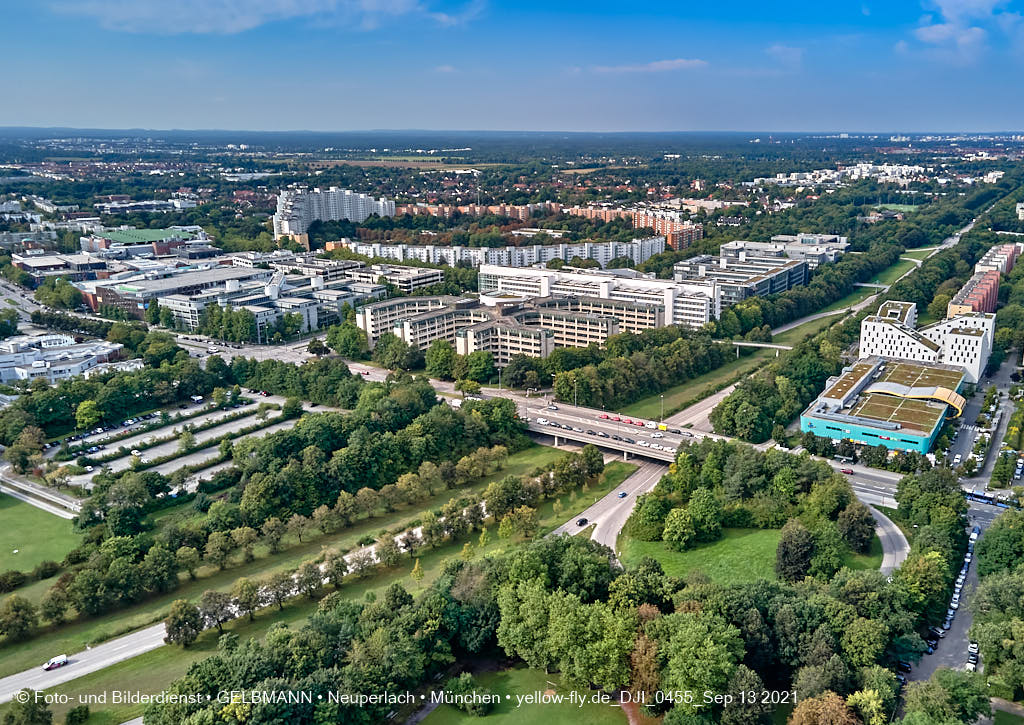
979	294
298	208
638	250
11	240
692	304
159	206
896	404
674	225
743	276
73	267
964	341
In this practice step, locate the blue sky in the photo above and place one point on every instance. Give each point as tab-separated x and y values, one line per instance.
492	64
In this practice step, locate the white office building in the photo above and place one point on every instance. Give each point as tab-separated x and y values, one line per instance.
964	341
692	304
298	208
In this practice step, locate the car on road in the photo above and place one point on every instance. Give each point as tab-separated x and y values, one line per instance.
649	424
55	662
136	452
686	434
590	432
581	522
616	418
603	416
575	429
639	423
847	471
676	431
603	434
364	372
629	440
616	437
622	494
627	421
542	421
643	444
657	434
552	407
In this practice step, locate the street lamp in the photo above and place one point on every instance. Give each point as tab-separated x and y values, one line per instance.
662	396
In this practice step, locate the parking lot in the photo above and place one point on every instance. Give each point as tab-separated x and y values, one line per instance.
952	650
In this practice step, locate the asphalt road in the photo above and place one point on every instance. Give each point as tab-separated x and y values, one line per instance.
82	663
610	513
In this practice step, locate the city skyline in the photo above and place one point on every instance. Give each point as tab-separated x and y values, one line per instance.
331	65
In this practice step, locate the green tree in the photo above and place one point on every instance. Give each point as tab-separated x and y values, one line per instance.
188	559
183	623
87	415
701	654
440	359
794	553
706	514
246	595
27	708
17	618
679	529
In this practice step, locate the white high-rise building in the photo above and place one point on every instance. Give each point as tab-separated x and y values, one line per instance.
298	208
964	340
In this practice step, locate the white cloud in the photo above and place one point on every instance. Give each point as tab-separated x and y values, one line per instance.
786	55
226	17
655	66
960	29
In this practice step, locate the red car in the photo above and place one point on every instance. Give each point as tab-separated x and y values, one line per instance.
639	423
847	471
603	416
627	421
616	418
365	372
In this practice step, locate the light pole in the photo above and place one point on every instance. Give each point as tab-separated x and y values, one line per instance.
499	378
662	396
574	397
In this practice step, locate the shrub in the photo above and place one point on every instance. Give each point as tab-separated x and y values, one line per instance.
45	570
11	580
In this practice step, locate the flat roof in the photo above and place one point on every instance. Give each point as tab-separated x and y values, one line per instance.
847	381
142	236
919	415
192	277
914	375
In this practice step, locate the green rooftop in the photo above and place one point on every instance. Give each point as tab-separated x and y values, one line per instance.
145	236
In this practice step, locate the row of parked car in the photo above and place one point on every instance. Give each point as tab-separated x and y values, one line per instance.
100	429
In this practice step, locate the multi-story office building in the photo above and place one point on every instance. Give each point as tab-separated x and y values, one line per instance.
159	206
298	208
133	296
54	357
692	304
406	279
815	249
638	250
743	276
963	341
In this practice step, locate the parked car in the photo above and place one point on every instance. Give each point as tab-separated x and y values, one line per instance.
903	666
972	648
847	471
581	522
971	667
937	632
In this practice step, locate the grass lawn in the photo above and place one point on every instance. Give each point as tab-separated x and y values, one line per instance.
891	274
153	671
37	535
74	636
918	253
523	681
871	560
808	329
688	393
741	555
898	207
1006	718
859	294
